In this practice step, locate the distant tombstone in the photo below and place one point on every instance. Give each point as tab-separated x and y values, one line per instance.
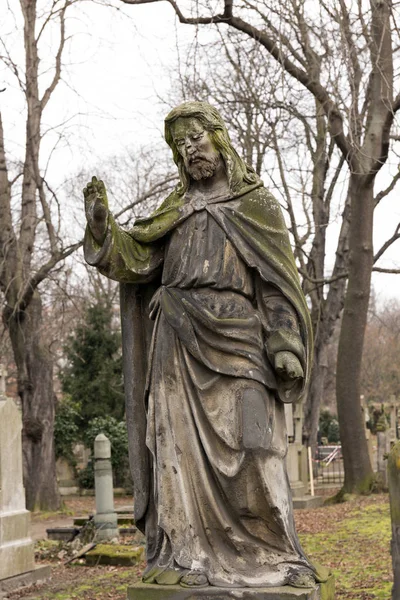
296	471
105	519
16	546
383	447
393	407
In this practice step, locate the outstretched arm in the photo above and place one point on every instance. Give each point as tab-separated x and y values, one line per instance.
111	249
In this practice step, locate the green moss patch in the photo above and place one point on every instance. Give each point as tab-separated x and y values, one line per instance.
115	554
357	549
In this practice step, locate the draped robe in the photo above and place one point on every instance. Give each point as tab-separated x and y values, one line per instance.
212	491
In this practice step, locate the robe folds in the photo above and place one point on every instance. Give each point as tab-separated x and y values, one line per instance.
210	293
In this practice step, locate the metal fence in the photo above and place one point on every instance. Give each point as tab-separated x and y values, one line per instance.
329	465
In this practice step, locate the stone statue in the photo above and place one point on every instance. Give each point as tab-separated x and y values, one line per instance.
217	337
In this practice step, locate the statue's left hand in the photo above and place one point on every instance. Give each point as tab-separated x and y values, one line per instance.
288	366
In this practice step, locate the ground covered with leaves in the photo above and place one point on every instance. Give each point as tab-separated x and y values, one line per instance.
352	538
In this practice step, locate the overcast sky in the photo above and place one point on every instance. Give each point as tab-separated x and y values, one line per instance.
117	75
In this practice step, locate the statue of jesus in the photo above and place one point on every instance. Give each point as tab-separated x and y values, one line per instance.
229	343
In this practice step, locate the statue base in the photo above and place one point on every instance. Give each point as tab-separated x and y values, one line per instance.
147	591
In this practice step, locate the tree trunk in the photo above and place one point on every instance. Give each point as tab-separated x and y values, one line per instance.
315	394
35	388
328	315
357	465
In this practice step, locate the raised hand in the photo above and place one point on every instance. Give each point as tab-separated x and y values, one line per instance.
96	208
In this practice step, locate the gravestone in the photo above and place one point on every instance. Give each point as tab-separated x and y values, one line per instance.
383	447
105	519
294	424
296	460
17	565
393	433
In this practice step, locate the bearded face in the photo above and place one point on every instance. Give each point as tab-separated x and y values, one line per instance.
202	165
200	157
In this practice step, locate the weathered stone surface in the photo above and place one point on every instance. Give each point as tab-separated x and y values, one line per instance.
114	554
16	558
143	591
37	575
16	546
213	350
14	526
63	534
105	518
12	493
308	502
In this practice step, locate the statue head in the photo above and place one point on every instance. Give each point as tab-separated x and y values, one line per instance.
207	119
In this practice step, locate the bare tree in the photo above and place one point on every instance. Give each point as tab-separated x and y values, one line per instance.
342	54
32	248
288	140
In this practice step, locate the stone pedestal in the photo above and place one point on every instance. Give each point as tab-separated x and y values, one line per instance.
16	546
145	591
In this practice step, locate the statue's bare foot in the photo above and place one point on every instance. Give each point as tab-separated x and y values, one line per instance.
150	573
302	579
170	576
194	579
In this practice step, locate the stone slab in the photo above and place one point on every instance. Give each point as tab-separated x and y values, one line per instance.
145	591
62	534
308	502
69	491
12	496
37	575
16	558
121	520
14	526
298	489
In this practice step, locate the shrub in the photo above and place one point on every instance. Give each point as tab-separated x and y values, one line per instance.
66	429
86	477
329	427
118	436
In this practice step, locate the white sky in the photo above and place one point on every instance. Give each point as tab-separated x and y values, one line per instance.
116	75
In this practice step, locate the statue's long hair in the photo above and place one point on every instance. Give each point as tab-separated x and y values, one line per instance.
239	173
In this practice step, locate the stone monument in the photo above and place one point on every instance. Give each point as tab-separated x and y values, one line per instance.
296	460
17	567
216	339
105	519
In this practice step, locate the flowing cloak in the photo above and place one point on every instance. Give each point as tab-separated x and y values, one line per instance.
253	222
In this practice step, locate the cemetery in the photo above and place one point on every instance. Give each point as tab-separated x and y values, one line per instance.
92	548
200	300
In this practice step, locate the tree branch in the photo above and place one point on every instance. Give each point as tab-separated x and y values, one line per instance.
388	243
382	194
153	191
314	86
323	280
7	234
47	94
389	271
40	275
